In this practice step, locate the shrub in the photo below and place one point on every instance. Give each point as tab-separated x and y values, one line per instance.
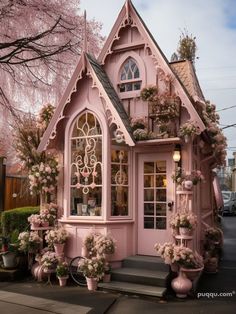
16	219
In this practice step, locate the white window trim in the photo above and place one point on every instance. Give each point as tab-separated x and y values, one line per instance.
67	152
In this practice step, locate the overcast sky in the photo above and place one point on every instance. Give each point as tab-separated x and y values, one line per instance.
213	22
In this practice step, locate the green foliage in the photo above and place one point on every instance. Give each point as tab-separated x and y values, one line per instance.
187	47
15	220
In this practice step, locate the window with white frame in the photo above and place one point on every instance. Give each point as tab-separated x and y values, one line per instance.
119	182
129	76
86	166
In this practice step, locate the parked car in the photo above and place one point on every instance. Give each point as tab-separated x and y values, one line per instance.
229	199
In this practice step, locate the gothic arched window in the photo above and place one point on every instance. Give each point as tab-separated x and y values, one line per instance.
129	76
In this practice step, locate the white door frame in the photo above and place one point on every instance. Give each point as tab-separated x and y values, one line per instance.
148	235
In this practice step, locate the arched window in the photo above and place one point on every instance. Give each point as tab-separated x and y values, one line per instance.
86	166
130	76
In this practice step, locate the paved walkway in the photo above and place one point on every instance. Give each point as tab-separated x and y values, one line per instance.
30	297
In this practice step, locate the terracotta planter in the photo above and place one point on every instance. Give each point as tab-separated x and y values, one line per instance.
62	281
92	283
106	278
186	138
59	248
181	285
192	273
185	231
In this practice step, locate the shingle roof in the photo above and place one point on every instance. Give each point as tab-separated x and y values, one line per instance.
107	85
187	75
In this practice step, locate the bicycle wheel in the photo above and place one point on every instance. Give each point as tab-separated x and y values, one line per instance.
75	273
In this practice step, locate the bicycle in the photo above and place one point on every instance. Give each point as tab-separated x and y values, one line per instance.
75	272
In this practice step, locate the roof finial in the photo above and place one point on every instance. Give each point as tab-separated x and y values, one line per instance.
127	3
85	43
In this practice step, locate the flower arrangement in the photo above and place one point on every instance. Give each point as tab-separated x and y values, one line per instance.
166	251
35	219
212	234
138	123
189	128
44	116
56	236
183	220
141	134
29	241
98	244
177	176
43	176
149	93
92	267
186	258
49	260
195	176
187	221
104	245
180	255
62	269
48	213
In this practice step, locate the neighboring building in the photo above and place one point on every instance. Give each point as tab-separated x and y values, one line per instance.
116	180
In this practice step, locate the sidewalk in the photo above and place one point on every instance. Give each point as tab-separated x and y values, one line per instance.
30	297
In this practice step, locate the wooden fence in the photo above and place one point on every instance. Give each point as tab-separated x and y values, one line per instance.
17	193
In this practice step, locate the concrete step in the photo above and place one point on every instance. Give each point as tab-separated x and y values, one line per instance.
145	262
140	276
134	288
10	274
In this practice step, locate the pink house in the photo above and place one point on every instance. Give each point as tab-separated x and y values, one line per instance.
116	148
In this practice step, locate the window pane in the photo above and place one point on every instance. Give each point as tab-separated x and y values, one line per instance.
122	88
148	223
161	209
128	87
149	209
136	73
149	167
137	86
149	195
161	166
160	223
161	195
86	166
160	181
119	201
148	181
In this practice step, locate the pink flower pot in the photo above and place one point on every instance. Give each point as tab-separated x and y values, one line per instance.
181	285
174	267
45	224
84	252
59	248
62	281
92	283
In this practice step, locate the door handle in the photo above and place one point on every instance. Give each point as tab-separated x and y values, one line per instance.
170	205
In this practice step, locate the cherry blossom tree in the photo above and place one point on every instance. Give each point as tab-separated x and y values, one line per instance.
40	43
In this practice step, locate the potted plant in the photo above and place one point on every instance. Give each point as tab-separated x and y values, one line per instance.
104	245
29	241
35	220
188	129
93	270
57	238
49	261
187	223
62	273
166	251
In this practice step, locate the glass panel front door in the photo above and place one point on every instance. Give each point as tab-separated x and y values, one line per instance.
155	196
154	192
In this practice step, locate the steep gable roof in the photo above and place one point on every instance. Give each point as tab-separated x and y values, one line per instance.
129	14
187	75
108	87
114	103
